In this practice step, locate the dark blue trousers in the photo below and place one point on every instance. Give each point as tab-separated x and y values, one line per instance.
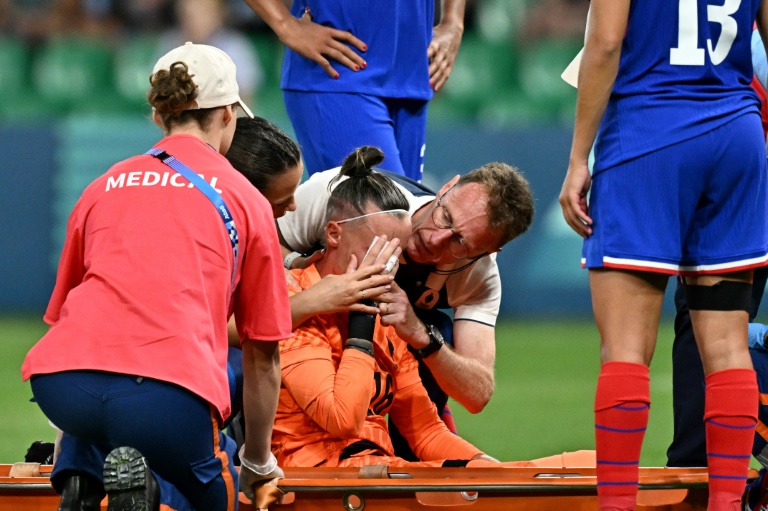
688	447
176	431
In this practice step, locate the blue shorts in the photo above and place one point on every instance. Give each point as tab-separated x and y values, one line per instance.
696	207
331	125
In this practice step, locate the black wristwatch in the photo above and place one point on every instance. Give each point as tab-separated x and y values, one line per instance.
436	342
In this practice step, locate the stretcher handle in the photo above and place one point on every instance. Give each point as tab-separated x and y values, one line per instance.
25	469
266	495
374	472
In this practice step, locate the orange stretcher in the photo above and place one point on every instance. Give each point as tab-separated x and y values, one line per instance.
26	487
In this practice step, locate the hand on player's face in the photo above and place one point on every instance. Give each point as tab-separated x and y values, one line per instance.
396	311
367	241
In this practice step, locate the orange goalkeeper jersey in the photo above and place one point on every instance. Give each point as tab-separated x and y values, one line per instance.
331	397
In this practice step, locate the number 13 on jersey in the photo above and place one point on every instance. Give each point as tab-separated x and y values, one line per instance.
687	52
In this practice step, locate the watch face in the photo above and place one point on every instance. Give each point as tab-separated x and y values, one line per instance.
435	342
435	335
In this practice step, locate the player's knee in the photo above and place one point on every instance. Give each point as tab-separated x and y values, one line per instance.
726	295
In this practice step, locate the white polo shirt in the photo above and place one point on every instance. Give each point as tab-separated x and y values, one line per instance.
474	292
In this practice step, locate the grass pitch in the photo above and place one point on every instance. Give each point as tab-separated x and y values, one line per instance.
22	422
546	374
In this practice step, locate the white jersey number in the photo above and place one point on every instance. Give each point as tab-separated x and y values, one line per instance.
687	52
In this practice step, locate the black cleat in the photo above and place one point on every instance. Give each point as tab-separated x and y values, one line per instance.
81	492
129	483
755	496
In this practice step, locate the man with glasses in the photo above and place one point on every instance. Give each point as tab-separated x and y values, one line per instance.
447	263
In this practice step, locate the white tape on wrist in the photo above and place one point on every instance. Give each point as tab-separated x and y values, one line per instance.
288	260
260	470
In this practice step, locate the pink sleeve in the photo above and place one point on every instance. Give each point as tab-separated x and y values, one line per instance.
262	308
71	266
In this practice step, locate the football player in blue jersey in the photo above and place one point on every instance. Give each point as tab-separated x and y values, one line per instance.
361	73
678	187
688	447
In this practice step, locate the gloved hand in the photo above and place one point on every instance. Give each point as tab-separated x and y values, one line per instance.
252	476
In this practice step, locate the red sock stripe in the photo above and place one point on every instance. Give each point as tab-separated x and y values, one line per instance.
730	415
622	404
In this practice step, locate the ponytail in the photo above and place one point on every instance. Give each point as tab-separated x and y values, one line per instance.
364	187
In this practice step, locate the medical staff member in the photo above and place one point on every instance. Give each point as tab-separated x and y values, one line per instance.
159	252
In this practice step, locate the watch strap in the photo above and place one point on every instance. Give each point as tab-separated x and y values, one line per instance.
435	343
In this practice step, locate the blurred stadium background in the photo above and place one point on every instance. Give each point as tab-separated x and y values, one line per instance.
73	74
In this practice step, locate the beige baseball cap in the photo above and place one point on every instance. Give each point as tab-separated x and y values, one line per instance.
213	72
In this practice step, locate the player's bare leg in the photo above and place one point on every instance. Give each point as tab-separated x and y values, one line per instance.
719	305
627	308
721	335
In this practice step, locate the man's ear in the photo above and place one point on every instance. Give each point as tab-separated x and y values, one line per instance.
333	232
447	186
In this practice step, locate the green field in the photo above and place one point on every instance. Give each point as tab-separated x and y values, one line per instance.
22	422
545	384
545	380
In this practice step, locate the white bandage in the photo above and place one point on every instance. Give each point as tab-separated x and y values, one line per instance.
383	248
390	264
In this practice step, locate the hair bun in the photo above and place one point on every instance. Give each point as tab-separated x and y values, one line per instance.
361	161
172	90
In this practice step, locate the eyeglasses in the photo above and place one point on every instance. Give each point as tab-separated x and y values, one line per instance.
457	245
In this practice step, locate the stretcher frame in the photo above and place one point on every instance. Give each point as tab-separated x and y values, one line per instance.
26	487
